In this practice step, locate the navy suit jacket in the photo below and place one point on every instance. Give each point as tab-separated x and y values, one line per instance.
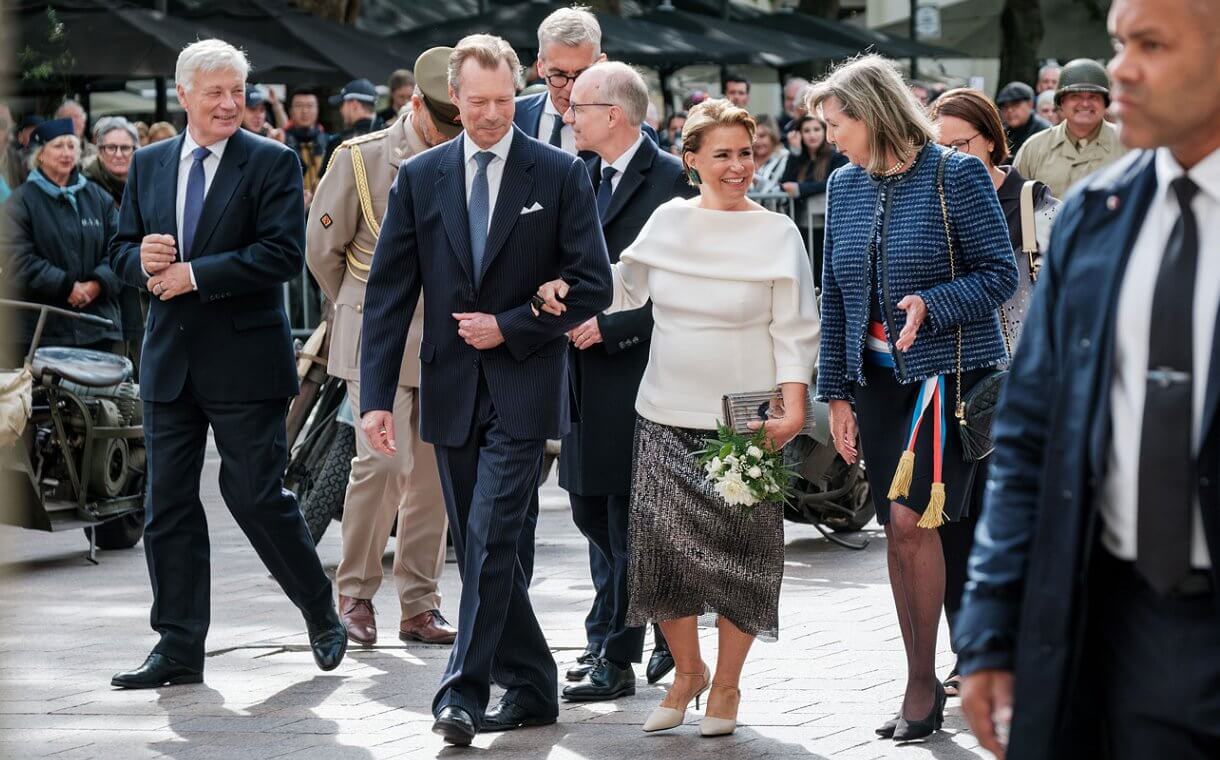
425	244
596	455
529	115
1029	567
231	335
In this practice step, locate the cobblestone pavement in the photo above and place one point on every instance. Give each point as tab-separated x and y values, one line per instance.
66	626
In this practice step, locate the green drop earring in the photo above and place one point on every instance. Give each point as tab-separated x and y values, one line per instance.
693	175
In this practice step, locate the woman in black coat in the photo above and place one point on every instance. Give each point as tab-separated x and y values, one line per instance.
57	226
806	174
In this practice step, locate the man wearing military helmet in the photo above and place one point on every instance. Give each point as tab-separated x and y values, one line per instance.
1082	142
344	223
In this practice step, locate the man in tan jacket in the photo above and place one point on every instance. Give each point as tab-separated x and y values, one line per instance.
344	222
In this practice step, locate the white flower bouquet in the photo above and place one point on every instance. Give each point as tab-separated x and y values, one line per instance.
744	470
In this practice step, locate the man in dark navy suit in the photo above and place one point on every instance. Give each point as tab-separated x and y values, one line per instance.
631	177
212	224
1091	623
478	224
569	42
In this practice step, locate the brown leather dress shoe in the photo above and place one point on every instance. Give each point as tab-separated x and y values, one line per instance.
357	615
430	627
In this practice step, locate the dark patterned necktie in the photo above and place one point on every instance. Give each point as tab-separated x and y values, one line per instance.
557	132
605	191
192	207
1167	462
479	213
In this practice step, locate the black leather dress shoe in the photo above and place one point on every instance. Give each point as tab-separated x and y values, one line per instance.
583	665
157	671
661	661
455	724
328	640
606	681
508	716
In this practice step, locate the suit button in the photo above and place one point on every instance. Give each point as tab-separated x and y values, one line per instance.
1204	482
1085	343
181	328
1067	495
359	308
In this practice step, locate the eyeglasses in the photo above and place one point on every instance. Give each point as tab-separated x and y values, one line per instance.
116	150
559	80
577	106
963	145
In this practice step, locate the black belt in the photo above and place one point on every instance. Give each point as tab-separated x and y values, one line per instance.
1197	583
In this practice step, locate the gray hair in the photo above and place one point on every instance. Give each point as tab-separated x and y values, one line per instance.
570	27
36	151
206	57
68	105
108	124
489	50
624	87
870	89
1044	97
1051	64
799	83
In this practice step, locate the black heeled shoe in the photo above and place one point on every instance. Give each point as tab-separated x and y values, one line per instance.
886	729
910	730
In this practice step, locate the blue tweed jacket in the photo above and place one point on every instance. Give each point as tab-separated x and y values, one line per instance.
913	258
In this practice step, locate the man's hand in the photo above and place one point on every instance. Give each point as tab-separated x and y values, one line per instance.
378	429
553	293
479	330
157	252
83	294
173	281
586	335
916	311
791	188
987	703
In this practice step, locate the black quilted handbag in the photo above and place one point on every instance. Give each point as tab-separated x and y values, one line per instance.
975	407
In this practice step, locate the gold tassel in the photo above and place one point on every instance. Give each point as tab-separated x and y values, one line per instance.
901	485
934	515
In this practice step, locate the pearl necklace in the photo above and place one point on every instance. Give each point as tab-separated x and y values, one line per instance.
895	169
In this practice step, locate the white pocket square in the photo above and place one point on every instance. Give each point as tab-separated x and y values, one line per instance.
536	207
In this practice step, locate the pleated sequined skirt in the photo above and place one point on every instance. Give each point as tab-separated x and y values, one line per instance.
691	553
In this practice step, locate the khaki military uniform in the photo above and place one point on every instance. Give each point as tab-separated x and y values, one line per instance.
341	237
1054	158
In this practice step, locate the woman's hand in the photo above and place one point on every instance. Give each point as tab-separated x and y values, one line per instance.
791	188
781	430
916	311
843	429
552	295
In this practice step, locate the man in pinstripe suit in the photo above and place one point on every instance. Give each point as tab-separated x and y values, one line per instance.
477	224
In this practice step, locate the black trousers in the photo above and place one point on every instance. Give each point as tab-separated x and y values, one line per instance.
1151	667
491	485
603	520
253	454
956	543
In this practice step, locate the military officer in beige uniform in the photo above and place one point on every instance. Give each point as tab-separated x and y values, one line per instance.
344	222
1083	141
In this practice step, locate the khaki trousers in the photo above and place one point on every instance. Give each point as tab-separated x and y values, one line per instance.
406	487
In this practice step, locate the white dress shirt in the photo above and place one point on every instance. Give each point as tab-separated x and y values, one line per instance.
1133	329
550	113
495	169
622	162
185	161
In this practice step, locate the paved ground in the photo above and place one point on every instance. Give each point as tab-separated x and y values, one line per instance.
66	626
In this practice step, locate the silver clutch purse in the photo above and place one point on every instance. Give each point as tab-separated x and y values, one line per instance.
740	409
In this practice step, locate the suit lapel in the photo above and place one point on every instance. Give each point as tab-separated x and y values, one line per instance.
224	184
451	192
1119	215
516	186
165	184
1211	403
632	179
539	109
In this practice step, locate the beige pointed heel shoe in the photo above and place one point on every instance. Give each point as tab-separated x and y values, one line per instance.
665	717
726	723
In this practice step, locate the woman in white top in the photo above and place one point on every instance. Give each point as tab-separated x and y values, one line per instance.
734	310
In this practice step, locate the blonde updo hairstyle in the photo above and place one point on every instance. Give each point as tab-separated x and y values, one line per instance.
709	115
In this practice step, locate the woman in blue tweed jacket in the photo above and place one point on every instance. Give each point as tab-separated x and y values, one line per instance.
892	308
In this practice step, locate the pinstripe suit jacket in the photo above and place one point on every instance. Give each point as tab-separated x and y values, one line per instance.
425	244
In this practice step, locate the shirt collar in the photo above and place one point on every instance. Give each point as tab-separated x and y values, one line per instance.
622	162
500	149
1205	174
189	145
549	107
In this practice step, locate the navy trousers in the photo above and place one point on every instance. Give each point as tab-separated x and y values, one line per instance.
491	485
603	520
253	454
601	613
